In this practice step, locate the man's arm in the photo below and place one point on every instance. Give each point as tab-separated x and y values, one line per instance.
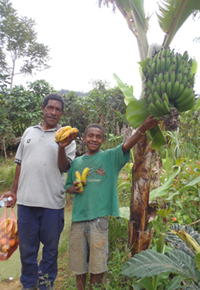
13	191
148	124
63	161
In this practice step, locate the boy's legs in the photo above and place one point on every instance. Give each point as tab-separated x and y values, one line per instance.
95	279
88	249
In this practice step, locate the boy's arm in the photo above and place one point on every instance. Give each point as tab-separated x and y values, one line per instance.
148	124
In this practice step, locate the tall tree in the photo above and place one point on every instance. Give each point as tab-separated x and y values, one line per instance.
172	15
18	41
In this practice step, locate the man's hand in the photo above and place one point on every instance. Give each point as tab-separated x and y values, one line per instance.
68	140
12	202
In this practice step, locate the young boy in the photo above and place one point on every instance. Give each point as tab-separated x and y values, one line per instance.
88	242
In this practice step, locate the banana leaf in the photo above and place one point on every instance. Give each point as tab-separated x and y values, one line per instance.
137	112
173	14
163	190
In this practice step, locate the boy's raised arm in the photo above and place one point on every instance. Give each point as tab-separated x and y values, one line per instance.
148	124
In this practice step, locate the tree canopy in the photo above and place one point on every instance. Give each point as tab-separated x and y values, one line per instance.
18	41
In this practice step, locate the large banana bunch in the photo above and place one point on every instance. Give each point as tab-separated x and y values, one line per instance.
169	82
8	236
63	133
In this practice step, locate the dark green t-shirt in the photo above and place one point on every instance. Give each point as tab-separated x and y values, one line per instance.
99	197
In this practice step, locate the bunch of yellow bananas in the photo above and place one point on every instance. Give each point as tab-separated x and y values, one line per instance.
8	235
63	133
82	177
169	82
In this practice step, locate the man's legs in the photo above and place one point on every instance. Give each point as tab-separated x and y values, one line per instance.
52	223
28	229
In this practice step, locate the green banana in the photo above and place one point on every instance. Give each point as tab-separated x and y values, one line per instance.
185	108
158	66
155	79
172	77
160	77
165	98
162	64
169	88
154	111
162	87
153	69
185	94
166	107
149	84
159	88
180	90
186	101
150	98
168	63
166	76
179	76
175	89
186	56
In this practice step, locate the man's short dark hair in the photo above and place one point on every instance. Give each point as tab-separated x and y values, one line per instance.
96	125
56	97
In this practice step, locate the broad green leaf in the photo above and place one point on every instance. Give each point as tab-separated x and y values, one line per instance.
163	190
136	112
174	283
144	283
124	212
150	263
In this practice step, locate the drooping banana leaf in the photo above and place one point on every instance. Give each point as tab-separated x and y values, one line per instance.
173	13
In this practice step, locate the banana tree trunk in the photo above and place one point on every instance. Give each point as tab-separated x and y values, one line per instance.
139	237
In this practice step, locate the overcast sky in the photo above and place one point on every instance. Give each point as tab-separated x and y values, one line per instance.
88	43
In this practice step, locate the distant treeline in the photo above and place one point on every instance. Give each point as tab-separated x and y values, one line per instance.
66	92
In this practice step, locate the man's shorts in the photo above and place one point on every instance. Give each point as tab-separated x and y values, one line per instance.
88	246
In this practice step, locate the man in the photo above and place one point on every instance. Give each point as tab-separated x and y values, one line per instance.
38	190
88	242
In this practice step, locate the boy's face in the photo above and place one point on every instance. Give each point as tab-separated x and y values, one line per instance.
93	140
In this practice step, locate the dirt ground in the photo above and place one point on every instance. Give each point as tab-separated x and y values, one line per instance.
14	284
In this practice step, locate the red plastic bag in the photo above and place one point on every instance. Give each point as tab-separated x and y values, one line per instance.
9	240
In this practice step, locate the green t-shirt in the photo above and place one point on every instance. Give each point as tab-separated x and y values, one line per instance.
99	197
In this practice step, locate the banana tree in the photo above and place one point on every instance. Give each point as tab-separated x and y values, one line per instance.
171	16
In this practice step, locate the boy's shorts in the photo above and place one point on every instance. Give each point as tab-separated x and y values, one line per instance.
88	246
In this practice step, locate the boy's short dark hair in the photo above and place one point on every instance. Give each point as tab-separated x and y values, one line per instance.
96	125
56	97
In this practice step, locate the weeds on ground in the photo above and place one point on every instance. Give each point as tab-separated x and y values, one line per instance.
7	173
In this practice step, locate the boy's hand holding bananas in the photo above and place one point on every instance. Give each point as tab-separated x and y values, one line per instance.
82	179
64	133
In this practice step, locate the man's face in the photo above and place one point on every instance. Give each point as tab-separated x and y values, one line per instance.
52	113
93	140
